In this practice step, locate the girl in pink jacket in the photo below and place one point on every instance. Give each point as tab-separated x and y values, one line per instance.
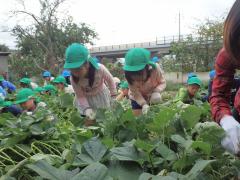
145	78
88	79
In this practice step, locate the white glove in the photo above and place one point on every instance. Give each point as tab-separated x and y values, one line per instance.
231	142
184	106
145	108
42	104
90	114
29	113
155	98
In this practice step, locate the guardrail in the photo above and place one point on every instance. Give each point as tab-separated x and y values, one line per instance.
159	42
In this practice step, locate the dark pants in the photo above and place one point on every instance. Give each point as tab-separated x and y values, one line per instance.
135	105
12	109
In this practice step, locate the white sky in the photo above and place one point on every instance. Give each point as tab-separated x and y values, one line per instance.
125	21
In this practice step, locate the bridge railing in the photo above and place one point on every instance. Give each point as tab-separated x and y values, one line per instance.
159	42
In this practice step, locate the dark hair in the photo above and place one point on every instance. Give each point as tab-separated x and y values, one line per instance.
130	74
24	85
90	76
232	31
68	80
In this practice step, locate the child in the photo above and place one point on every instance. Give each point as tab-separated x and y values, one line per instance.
187	95
25	83
211	77
47	78
145	79
27	100
8	86
88	79
62	86
39	90
8	107
67	74
49	89
228	60
124	91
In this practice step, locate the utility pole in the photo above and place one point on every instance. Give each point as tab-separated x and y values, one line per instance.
179	38
179	26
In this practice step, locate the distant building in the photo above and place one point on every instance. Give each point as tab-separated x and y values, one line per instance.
4	64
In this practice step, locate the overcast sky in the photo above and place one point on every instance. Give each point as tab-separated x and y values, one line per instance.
125	21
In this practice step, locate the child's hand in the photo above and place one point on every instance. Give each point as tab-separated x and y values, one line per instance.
90	114
145	108
155	98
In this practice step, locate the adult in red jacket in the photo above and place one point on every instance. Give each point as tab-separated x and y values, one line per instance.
228	60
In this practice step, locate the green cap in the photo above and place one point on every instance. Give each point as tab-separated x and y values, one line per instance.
25	81
136	59
24	95
124	85
1	78
50	88
76	55
60	79
38	89
194	80
4	104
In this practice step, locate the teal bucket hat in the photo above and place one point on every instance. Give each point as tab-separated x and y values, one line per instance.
24	95
76	55
194	80
136	59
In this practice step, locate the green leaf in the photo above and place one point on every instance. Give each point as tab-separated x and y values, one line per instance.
76	119
144	145
82	160
92	151
147	176
190	116
166	153
95	149
66	100
181	141
162	119
36	129
50	158
124	170
184	163
94	171
108	142
47	171
205	147
198	168
128	153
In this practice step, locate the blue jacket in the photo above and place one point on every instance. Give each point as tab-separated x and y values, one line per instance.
2	91
8	85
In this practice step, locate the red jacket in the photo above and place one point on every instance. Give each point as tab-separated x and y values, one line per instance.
221	90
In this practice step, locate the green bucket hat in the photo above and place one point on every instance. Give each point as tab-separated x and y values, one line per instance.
76	55
124	85
1	78
25	81
38	89
60	79
50	88
136	59
24	95
194	80
4	104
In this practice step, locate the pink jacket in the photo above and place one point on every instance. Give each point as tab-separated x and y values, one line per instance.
82	88
141	93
